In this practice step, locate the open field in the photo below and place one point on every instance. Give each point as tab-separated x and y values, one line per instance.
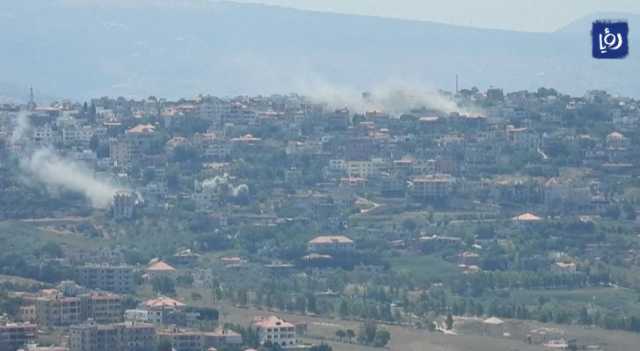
423	267
612	299
21	237
469	338
411	339
403	338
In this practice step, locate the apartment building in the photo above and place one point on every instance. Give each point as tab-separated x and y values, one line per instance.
128	336
193	340
53	308
160	308
106	277
432	187
16	335
102	307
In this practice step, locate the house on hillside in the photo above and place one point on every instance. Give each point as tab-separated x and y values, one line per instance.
331	244
158	268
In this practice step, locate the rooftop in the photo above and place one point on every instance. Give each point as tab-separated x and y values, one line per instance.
142	129
271	322
160	266
162	302
331	239
527	217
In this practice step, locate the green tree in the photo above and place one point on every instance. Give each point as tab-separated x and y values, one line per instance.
409	225
163	285
367	333
613	212
9	305
165	345
185	280
629	211
243	297
350	334
321	347
94	142
52	249
312	304
148	175
382	338
449	321
343	310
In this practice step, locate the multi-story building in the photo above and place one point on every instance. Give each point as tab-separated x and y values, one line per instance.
74	134
102	307
44	134
193	340
431	187
217	149
360	169
55	309
52	308
182	340
16	335
214	109
106	277
120	152
274	330
124	205
522	137
160	308
128	336
28	313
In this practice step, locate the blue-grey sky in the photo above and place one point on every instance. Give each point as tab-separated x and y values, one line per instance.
526	15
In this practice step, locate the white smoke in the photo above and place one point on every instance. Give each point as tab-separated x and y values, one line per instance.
21	128
215	183
240	189
53	170
47	167
393	99
223	186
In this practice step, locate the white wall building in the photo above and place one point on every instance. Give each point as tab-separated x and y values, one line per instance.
274	330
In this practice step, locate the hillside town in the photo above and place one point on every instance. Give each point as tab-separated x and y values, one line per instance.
213	223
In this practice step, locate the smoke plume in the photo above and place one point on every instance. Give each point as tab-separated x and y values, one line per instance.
53	170
393	99
222	185
22	127
46	166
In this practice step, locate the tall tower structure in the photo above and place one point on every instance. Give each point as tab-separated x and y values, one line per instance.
32	101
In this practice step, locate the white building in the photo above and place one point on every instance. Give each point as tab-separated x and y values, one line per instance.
357	169
273	330
157	309
139	315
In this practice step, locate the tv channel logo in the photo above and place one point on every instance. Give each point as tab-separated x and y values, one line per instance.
609	39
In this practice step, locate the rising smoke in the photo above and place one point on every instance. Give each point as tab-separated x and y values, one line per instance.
21	129
223	185
46	166
392	98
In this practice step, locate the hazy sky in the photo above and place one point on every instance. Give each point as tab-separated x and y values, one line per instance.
528	15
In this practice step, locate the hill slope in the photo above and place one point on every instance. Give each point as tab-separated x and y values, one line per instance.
227	48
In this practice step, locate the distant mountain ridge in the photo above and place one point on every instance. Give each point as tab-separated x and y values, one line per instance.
226	48
585	22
